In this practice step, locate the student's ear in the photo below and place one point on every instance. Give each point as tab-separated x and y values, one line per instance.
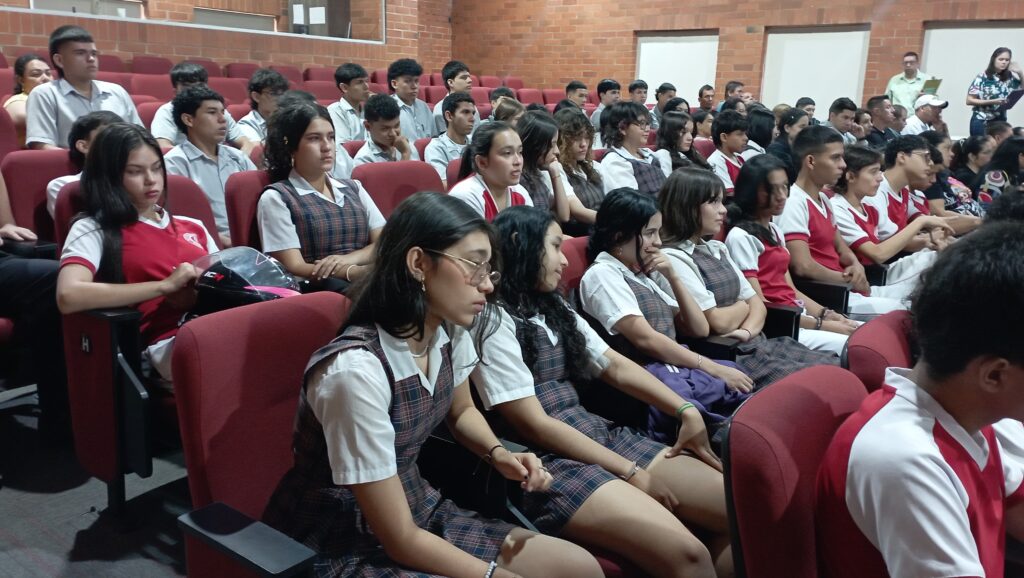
58	60
342	88
254	96
82	146
449	117
481	161
366	124
996	375
188	119
418	264
394	85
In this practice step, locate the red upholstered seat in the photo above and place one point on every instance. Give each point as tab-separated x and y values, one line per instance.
353	146
242	196
27	172
436	79
879	343
322	89
325	74
421	147
771	455
118	77
8	134
434	94
240	69
142	64
553	95
234	90
452	175
290	72
147	111
213	69
529	96
138	99
514	82
380	76
593	98
481	95
599	154
489	81
426	80
484	109
550	107
575	251
391	183
379	88
239	110
155	85
704	146
111	63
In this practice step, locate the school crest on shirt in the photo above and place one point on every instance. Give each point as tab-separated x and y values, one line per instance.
192	239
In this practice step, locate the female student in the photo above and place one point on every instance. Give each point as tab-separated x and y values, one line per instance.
1005	172
969	156
759	250
675	144
543	176
126	250
990	89
495	160
628	162
575	147
702	121
948	197
530	367
691	203
620	292
30	71
319	228
791	123
677	104
372	397
509	110
760	131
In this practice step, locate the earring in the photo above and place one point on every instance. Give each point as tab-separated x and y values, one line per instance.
423	284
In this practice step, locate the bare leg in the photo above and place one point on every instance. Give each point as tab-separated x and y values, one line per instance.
528	554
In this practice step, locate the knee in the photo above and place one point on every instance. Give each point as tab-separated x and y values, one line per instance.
575	562
690	556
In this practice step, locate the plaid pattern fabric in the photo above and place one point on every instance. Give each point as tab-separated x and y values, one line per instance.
323	227
310	508
649	177
656	311
531	181
587	192
719	276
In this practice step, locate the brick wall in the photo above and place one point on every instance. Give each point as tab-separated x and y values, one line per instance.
549	42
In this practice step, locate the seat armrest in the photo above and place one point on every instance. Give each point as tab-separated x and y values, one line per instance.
254	545
782	321
876	274
30	249
835	296
715	347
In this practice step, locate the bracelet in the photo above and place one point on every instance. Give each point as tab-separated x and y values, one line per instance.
490	453
632	472
347	271
700	360
818	322
490	569
682	408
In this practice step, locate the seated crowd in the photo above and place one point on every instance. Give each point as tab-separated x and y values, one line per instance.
737	211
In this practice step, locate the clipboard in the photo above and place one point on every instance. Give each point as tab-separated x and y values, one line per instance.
931	86
1012	99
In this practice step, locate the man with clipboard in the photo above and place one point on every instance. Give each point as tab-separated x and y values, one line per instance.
904	89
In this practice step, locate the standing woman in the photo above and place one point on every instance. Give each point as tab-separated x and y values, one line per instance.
675	143
990	89
791	123
543	175
372	397
624	130
691	203
575	146
494	159
30	70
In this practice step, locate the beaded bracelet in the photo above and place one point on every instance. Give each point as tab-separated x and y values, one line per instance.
490	569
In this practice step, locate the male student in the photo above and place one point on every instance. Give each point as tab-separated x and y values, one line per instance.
665	92
80	138
817	250
920	481
842	116
203	158
385	141
265	87
53	107
927	115
609	91
905	88
417	119
575	91
186	75
729	133
807	104
734	89
459	81
638	92
354	85
706	98
459	114
883	117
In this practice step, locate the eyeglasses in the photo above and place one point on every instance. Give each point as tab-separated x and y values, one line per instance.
924	155
477	274
641	124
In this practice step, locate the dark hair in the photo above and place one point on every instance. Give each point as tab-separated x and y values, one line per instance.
727	121
699	116
564	104
1006	159
812	141
502	91
906	143
188	73
381	107
294	97
663	88
1008	206
389	296
669	131
991	70
451	70
912	53
81	129
673	104
732	86
746	200
680	200
507	109
264	78
934	137
876	102
789	118
760	125
451	104
61	36
988	262
963	148
188	102
404	67
637	85
348	72
536	130
858	158
859	114
623	215
842	103
574	85
522	233
103	193
606	85
481	143
536	107
284	132
899	111
571	126
615	116
997	127
805	101
704	88
733	103
19	68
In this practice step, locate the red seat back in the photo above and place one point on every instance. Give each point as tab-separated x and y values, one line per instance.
514	82
290	72
391	183
575	251
704	146
652	139
553	95
529	96
213	69
3	61
550	107
484	110
772	452
234	90
593	98
490	81
480	95
138	99
452	175
434	94
240	69
142	64
425	80
119	77
325	74
256	156
147	111
880	343
599	154
380	76
155	85
242	196
8	134
239	110
421	147
111	63
436	79
27	173
322	89
379	88
353	146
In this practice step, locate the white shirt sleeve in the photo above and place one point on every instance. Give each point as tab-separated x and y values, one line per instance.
687	272
343	164
502	375
130	115
434	155
375	219
41	117
53	190
848	227
464	355
616	173
795	220
211	243
719	167
596	346
163	124
467	192
745	249
664	161
274	220
606	296
84	245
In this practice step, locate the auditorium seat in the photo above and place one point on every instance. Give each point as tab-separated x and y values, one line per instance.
234	90
318	73
111	63
147	110
589	109
120	78
550	107
421	147
353	146
391	183
452	174
239	110
513	82
704	146
6	82
8	134
27	172
484	109
426	80
242	196
3	61
529	96
240	69
593	98
599	154
380	76
143	64
379	88
292	73
322	89
575	251
435	94
553	95
880	343
256	155
480	95
771	453
155	85
213	70
489	82
436	79
652	139
138	99
474	79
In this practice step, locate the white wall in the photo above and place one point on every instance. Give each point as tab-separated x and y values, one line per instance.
823	64
957	55
689	62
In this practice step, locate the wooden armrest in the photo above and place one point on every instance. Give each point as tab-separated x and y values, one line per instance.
782	321
835	296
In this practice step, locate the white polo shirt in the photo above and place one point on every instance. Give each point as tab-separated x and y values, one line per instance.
163	126
617	171
417	120
681	257
370	152
54	187
474	193
210	174
348	122
54	107
442	127
252	126
441	151
606	295
915	125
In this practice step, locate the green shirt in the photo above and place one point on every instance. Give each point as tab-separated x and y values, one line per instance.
903	91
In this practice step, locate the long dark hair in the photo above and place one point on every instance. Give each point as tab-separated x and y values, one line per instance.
681	197
102	186
623	215
669	131
991	69
19	69
390	296
747	203
760	125
965	147
1006	159
536	129
284	132
571	126
522	232
480	145
788	119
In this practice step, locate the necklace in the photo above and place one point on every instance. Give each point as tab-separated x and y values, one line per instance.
421	354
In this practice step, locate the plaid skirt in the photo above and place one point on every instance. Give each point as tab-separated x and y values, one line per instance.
769	360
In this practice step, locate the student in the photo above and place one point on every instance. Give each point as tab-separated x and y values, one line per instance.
126	250
460	116
52	108
905	88
758	249
677	104
760	132
734	89
508	111
791	123
806	104
566	103
1005	172
343	163
948	197
692	209
863	119
203	158
729	133
882	118
675	144
665	92
999	130
543	176
609	93
495	160
496	96
265	87
575	146
352	81
990	89
842	117
706	98
808	222
372	397
918	482
185	75
82	134
30	71
386	142
969	156
927	115
702	123
899	119
417	119
628	163
530	366
458	80
576	92
736	104
638	92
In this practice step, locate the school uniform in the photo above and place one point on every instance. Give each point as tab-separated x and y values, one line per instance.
53	108
371	152
417	120
753	149
877	139
441	151
474	193
150	251
588	192
664	157
905	490
769	265
621	169
365	410
727	169
343	164
253	126
441	126
542	192
54	187
595	118
163	126
348	122
210	174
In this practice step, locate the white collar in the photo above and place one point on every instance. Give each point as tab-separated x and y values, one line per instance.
302	186
645	154
401	361
376	151
346	105
401	103
192	152
688	247
66	88
607	259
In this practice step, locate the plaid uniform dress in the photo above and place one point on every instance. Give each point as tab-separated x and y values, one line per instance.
322	226
531	181
649	176
573	482
310	508
588	193
765	360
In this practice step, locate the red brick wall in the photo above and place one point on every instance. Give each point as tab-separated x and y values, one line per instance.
551	42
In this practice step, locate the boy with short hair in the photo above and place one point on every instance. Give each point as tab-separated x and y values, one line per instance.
459	114
576	92
458	80
186	75
81	136
665	92
842	116
610	92
807	104
882	118
417	119
353	82
729	133
385	141
265	87
203	158
638	92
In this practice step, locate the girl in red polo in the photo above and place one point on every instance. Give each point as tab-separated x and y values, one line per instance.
489	174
